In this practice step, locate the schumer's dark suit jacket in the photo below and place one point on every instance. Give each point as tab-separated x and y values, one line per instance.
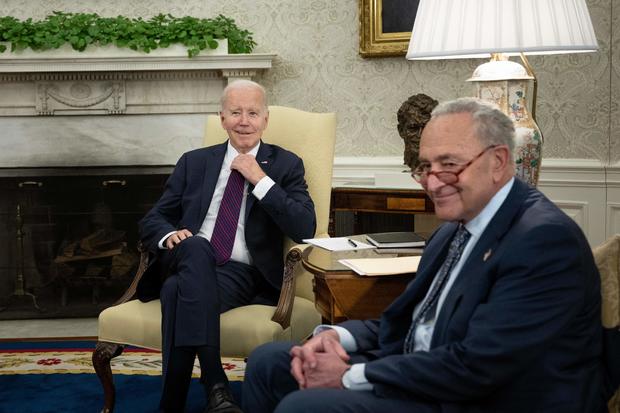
520	330
286	209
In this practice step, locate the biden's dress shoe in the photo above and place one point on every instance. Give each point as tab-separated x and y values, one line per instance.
221	401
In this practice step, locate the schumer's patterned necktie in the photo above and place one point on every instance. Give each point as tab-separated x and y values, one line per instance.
223	236
429	306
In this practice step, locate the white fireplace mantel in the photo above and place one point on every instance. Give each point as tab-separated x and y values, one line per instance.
248	64
119	81
101	109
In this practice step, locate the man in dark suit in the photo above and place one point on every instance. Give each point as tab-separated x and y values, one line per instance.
216	237
502	316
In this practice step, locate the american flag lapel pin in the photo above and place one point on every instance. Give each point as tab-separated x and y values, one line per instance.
486	255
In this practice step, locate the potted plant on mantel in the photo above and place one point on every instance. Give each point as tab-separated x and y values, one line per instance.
62	34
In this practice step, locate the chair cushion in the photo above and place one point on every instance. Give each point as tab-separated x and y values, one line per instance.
303	320
242	329
134	323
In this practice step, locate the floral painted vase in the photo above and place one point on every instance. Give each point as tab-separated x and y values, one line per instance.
510	96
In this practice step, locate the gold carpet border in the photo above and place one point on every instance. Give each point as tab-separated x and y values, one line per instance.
79	362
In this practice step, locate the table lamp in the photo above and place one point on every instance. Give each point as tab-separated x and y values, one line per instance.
455	29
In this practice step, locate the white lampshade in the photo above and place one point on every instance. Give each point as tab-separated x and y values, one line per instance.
451	29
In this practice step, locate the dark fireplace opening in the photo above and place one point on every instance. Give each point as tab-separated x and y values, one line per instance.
70	238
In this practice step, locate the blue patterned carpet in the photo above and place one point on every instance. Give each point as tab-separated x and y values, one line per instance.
56	376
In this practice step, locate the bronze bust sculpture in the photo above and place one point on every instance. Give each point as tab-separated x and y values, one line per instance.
413	115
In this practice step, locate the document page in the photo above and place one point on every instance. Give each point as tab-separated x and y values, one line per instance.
338	244
383	266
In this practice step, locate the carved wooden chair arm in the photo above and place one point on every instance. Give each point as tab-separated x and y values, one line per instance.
131	290
283	312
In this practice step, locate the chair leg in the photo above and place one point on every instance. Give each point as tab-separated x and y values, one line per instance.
104	352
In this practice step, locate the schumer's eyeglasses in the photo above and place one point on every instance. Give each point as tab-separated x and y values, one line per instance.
449	175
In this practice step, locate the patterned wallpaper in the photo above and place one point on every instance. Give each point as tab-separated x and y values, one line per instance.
318	68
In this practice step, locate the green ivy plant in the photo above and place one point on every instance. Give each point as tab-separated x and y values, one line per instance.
82	30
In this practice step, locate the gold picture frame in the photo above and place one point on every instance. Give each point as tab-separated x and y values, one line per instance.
374	40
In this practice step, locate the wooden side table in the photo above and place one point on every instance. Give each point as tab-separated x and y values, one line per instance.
340	294
372	199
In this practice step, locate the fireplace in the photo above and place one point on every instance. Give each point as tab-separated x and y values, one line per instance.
86	145
70	238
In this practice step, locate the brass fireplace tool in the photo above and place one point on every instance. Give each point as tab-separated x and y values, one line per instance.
19	290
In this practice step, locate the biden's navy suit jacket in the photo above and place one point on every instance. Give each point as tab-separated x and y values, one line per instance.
520	329
286	210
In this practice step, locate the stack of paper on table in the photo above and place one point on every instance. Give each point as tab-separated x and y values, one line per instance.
338	244
383	266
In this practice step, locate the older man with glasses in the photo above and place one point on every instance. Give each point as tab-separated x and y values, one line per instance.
502	316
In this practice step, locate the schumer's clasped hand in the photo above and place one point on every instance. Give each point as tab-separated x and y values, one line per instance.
320	362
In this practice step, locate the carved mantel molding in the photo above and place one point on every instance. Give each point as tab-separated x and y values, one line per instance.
87	84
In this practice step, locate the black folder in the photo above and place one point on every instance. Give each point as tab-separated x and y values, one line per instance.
396	239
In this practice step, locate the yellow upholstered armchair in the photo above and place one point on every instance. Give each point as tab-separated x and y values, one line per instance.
131	322
607	257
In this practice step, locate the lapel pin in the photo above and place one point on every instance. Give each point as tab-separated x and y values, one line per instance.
264	162
486	255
